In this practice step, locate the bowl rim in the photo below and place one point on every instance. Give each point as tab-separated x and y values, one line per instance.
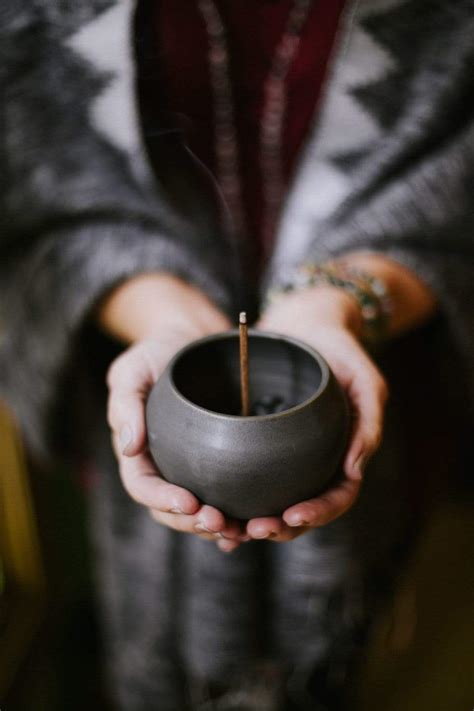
271	335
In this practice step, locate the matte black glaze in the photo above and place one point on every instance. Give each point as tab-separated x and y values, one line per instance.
248	466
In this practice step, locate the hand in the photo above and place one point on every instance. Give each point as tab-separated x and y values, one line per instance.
183	316
329	320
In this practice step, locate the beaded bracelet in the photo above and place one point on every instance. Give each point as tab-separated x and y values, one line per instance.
369	291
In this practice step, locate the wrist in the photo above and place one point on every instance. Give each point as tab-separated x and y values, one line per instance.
324	305
334	307
366	291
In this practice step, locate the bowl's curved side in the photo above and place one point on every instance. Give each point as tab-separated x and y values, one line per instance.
248	467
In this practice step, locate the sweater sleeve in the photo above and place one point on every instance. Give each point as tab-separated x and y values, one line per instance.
425	221
80	211
409	190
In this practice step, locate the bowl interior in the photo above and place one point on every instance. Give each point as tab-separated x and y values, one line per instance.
281	374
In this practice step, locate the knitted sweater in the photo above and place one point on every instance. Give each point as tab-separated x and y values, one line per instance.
388	167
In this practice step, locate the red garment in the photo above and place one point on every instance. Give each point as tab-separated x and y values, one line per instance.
254	28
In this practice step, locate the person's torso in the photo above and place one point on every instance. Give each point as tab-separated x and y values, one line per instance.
254	33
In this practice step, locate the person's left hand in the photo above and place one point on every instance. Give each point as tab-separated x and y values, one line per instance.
329	320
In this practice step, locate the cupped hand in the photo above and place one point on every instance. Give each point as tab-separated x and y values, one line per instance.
130	378
328	320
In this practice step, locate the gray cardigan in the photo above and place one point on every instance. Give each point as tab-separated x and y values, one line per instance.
388	166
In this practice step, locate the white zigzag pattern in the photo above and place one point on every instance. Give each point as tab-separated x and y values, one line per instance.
342	125
105	43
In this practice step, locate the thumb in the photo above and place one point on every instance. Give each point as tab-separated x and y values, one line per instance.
129	380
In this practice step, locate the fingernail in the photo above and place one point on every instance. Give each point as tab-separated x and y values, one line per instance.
261	536
225	547
359	467
202	528
126	438
176	510
298	522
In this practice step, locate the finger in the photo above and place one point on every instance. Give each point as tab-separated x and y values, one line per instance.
129	379
368	394
183	524
324	508
289	533
233	530
208	523
273	529
211	520
127	419
265	527
143	483
227	546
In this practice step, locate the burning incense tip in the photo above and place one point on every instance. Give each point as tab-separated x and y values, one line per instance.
243	317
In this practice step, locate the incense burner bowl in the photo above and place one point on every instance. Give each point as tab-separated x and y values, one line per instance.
288	449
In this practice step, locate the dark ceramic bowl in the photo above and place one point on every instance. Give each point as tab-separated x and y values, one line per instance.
285	452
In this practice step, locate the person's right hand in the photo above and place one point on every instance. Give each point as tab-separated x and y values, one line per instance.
184	314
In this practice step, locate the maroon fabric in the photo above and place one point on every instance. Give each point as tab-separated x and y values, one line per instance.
254	28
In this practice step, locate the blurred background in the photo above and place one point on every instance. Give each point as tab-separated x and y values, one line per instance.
420	656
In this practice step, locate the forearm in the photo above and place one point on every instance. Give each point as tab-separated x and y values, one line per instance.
149	303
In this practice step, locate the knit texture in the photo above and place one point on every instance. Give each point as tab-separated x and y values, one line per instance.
388	167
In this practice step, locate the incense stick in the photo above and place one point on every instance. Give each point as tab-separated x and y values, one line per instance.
244	363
